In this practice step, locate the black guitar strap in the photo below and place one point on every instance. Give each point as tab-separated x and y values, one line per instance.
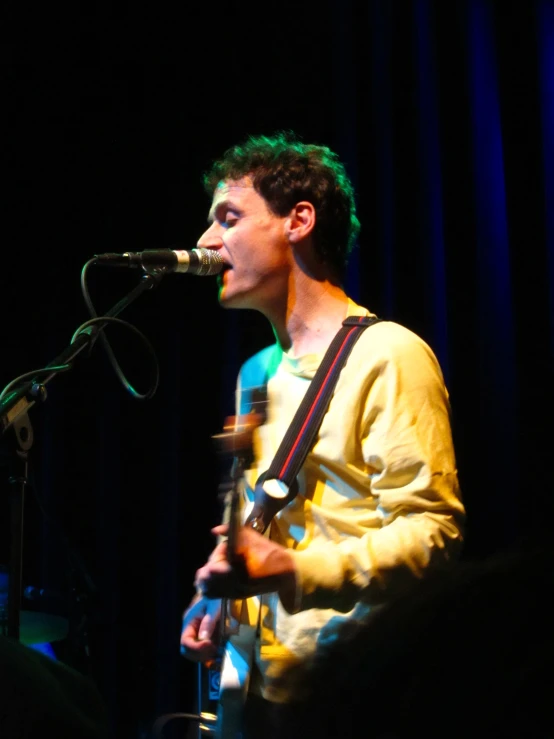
278	486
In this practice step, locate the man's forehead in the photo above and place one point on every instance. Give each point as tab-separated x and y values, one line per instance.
226	187
225	191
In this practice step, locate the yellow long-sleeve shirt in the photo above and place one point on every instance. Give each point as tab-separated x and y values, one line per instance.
378	503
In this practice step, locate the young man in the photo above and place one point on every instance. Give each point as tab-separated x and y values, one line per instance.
378	502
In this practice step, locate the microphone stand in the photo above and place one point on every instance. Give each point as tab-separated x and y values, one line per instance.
14	416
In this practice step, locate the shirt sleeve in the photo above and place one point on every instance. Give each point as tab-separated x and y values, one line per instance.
406	442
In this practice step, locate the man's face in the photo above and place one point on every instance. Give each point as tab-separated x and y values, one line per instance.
253	244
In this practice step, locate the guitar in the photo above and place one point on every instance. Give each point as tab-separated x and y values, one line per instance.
223	682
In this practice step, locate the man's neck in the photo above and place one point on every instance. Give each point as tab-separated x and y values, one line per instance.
311	323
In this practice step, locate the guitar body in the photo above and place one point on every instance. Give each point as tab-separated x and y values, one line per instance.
236	666
223	685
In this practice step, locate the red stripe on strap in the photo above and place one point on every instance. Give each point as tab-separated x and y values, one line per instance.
314	404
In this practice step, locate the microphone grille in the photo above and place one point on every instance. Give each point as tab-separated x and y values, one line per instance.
210	262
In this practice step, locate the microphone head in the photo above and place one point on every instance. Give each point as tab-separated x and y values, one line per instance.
202	262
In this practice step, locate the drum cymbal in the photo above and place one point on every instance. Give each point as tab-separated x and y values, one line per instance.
41	628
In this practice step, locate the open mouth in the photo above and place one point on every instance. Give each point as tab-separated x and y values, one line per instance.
221	276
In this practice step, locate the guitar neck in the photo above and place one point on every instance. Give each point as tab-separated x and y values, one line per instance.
233	510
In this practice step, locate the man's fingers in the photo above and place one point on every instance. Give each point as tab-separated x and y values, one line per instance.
199	651
221	530
220	552
206	574
207	627
199	625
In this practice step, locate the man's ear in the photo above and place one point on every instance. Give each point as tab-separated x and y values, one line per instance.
301	221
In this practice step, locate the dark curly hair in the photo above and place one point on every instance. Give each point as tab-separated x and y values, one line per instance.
284	171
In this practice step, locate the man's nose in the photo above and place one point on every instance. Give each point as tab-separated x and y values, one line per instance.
211	238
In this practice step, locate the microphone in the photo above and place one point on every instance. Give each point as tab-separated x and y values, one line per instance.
202	262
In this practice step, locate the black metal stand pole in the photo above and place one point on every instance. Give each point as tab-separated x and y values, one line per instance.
18	480
14	415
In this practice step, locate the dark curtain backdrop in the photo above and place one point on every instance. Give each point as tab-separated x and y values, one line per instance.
444	115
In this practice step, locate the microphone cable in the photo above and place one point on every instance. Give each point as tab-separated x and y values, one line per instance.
87	327
37	390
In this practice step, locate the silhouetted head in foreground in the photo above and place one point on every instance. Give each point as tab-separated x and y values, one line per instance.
465	653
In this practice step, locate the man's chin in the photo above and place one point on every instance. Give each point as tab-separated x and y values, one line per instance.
225	300
229	300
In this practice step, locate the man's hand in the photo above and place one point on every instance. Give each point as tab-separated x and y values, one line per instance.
199	632
262	567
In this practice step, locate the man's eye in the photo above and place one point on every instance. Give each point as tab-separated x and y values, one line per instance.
230	221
